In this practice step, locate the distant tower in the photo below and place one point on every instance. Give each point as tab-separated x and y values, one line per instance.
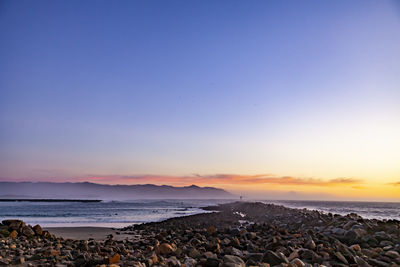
241	198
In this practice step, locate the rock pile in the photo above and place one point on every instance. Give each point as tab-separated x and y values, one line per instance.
238	235
16	228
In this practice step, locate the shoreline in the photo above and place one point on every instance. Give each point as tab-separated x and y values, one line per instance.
87	232
236	234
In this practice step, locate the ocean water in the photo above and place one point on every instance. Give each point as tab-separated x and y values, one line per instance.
124	213
369	210
102	214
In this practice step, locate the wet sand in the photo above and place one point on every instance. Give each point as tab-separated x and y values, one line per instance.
85	233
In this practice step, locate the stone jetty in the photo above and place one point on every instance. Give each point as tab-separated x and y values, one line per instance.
232	235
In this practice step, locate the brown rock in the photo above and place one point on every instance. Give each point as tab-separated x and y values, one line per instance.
15	224
165	249
21	260
392	254
9	222
37	229
194	253
361	262
293	255
341	257
355	247
211	230
297	262
46	234
310	244
27	231
13	234
114	259
236	241
52	252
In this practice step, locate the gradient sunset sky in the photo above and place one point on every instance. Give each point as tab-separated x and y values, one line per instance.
271	99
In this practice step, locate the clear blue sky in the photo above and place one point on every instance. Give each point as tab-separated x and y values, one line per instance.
179	87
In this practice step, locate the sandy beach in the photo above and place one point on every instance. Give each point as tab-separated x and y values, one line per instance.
85	233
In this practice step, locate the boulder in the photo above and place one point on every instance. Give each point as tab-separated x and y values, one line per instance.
232	261
297	263
340	257
211	262
274	258
310	244
14	224
9	222
114	259
37	229
27	231
211	230
165	249
14	234
392	254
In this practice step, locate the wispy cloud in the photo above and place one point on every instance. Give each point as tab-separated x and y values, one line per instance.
221	179
204	180
395	183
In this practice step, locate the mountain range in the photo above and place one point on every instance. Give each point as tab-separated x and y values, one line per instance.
89	190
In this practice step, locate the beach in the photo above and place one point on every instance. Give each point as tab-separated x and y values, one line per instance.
235	234
96	233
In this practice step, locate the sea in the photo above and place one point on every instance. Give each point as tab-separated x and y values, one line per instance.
123	213
368	210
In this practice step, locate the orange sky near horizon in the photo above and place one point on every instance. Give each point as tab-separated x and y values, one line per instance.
263	185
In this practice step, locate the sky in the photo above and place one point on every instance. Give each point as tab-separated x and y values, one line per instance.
274	99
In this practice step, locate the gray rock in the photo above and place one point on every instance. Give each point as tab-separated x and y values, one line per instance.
340	257
27	231
378	263
392	254
274	258
310	244
232	261
210	262
361	262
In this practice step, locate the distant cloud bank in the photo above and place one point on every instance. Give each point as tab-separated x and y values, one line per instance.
215	179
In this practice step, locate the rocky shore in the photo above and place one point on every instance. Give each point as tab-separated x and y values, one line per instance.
236	235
